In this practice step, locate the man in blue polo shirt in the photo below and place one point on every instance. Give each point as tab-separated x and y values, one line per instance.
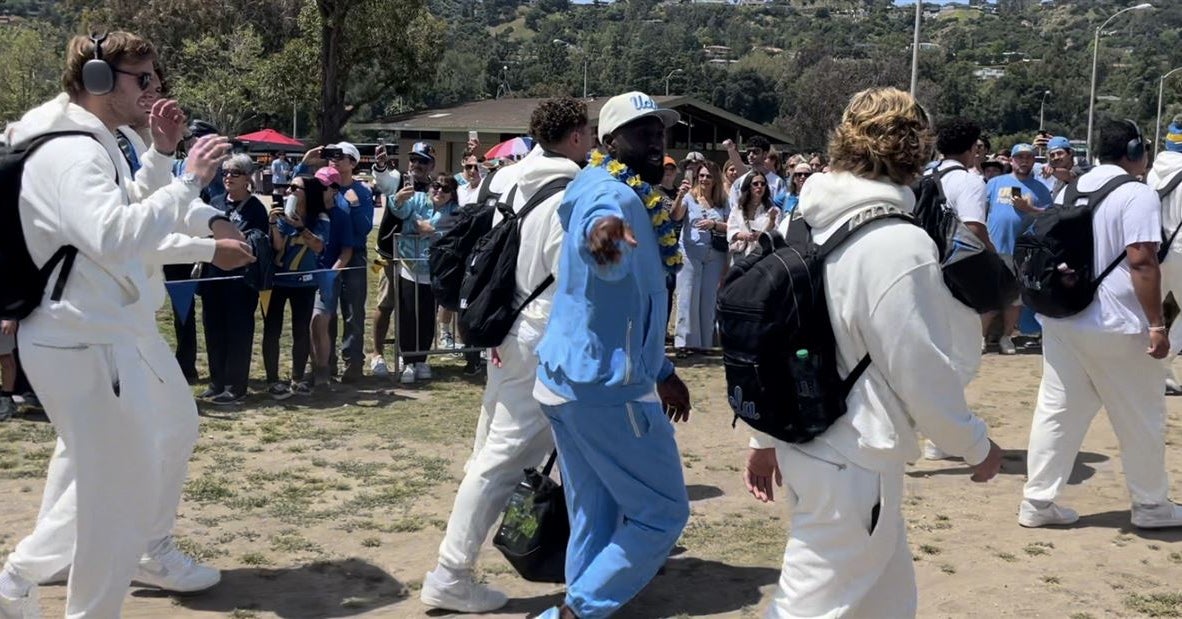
1014	198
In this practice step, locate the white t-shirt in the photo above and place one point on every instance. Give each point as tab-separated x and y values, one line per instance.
965	193
1130	214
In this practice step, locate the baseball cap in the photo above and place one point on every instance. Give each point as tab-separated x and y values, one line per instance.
992	163
423	149
1058	143
694	157
349	150
669	161
629	107
1021	148
1173	140
329	176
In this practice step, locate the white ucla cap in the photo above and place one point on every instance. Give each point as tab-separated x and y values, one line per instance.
626	108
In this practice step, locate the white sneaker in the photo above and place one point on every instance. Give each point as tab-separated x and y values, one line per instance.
422	371
377	367
167	568
26	607
1005	346
932	452
1157	516
408	374
1052	515
465	595
1172	386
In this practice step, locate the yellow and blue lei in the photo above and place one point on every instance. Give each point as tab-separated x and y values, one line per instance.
671	257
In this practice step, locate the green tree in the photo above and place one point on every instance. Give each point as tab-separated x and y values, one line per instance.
30	67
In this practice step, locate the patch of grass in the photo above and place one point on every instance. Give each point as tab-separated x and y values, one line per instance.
1050	580
746	539
255	559
371	542
1156	604
1081	616
929	549
198	551
242	613
1176	557
1122	540
1036	549
208	489
1008	557
290	541
947	568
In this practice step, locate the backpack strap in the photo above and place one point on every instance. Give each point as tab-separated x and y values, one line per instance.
485	192
1162	193
847	383
939	174
545	193
550	463
1095	198
1170	186
867	216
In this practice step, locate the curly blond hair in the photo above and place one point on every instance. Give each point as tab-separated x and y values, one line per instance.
884	132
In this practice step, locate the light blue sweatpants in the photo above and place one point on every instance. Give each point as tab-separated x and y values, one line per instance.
625	494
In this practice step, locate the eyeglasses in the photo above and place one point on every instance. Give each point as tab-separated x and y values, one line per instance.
802	175
704	177
295	187
470	166
143	80
233	173
758	184
439	187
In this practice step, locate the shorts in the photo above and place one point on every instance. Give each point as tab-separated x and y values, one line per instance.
1009	262
7	344
328	292
385	292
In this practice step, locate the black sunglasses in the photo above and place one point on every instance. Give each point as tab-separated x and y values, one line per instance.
440	187
420	160
143	80
470	166
233	173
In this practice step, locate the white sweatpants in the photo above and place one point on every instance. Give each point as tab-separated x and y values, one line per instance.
839	561
117	474
1081	372
518	437
1171	281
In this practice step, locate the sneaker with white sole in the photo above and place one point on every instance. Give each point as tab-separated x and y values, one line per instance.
1172	386
408	374
465	595
447	341
933	452
1005	346
27	606
166	567
422	371
279	391
378	367
1051	515
1163	516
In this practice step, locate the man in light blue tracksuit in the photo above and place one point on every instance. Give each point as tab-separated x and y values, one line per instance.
603	378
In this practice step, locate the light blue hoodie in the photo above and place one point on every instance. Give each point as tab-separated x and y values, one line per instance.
605	342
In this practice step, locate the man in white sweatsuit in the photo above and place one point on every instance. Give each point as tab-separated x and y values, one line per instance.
1109	354
847	552
517	435
111	387
1166	166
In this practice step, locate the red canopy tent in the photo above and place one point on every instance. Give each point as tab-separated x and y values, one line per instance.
270	139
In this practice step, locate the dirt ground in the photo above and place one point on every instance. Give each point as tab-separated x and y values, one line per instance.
333	506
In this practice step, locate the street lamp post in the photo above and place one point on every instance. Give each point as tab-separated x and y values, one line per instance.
1042	111
915	49
1095	60
586	61
1161	85
669	77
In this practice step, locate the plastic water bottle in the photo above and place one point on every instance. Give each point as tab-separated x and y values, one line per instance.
806	376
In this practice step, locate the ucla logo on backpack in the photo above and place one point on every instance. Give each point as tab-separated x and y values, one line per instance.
744	409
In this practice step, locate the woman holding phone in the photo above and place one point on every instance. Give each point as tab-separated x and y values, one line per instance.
704	245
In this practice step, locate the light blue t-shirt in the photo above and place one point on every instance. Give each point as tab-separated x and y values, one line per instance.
1006	223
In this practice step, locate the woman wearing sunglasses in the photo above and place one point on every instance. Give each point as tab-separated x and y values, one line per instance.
755	214
227	308
298	232
787	201
704	244
421	214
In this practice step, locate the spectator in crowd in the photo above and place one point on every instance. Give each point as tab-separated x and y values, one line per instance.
751	215
788	200
847	551
674	194
420	214
469	178
337	254
7	369
817	163
981	153
119	467
730	173
356	198
693	160
601	360
1013	199
991	169
1003	157
959	141
1109	354
517	434
280	175
704	244
228	306
775	163
1167	165
1060	169
758	149
421	166
298	232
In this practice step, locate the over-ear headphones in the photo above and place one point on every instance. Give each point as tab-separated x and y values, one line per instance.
98	77
1136	147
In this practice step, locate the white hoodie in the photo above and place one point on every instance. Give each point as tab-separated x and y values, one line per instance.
541	236
887	297
69	196
1165	166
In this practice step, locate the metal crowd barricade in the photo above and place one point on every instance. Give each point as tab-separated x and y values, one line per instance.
394	274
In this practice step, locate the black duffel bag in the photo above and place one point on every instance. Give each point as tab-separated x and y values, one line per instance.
534	529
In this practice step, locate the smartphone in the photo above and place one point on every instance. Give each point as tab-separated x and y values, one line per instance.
330	153
1016	192
473	135
689	175
408	180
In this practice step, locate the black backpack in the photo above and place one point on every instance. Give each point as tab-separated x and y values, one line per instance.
1054	257
772	305
448	255
974	275
1168	240
25	282
489	290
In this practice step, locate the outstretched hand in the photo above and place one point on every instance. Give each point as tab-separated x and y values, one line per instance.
603	242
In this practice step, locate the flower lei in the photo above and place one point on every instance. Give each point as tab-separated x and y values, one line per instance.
671	257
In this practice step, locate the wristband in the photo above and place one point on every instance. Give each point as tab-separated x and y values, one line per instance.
1158	329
